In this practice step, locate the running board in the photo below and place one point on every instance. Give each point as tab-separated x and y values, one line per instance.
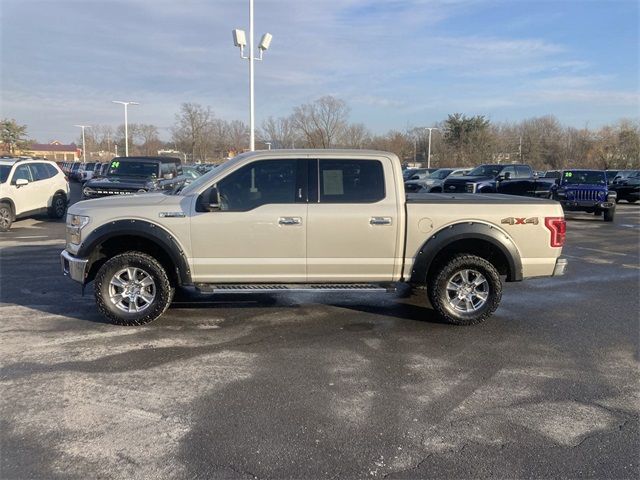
295	288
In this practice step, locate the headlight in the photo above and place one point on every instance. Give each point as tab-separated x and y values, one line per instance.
75	224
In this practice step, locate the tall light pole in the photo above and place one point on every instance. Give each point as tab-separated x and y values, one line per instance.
240	40
126	125
429	155
84	151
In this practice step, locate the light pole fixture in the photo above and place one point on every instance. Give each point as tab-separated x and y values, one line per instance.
429	154
84	151
126	126
240	40
268	144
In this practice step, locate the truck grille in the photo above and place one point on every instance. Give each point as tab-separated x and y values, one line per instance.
455	186
587	195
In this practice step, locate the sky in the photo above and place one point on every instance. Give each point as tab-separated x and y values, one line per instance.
397	64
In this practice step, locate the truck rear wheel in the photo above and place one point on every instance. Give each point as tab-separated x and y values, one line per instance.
465	290
132	289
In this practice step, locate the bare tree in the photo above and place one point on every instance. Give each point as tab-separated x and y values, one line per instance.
192	130
280	132
147	136
354	135
322	121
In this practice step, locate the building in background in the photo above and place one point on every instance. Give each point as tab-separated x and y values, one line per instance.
55	150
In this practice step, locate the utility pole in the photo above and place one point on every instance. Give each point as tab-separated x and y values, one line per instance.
520	149
126	126
84	150
429	154
239	40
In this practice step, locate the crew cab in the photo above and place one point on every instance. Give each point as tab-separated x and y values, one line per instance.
128	175
509	179
586	191
314	220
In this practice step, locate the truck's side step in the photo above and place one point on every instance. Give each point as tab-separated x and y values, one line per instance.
294	287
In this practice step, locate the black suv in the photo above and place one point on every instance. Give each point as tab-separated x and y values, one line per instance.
128	175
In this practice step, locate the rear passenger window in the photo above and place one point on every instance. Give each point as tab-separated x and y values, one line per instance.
39	171
351	181
522	171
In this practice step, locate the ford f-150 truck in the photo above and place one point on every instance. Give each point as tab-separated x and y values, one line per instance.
510	179
318	220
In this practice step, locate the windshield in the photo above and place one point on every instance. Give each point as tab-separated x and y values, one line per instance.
195	185
4	172
574	177
486	171
441	174
132	169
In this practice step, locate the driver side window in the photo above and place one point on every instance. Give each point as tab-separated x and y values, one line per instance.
22	172
259	183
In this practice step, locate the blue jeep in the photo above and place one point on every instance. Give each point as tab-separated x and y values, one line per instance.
585	191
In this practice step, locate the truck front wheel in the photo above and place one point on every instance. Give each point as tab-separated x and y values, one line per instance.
465	290
132	289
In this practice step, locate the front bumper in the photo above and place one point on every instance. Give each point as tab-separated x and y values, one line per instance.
561	267
580	205
74	267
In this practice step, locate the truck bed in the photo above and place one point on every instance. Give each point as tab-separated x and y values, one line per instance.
476	199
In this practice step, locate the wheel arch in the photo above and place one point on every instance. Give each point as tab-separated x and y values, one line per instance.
12	206
59	191
484	240
121	236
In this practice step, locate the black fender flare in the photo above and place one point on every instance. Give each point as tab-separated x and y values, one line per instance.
147	230
466	231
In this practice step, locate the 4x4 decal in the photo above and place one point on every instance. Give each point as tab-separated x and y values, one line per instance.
520	221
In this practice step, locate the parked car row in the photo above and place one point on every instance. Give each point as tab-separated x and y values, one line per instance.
591	191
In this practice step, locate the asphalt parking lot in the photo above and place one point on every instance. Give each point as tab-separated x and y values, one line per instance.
324	387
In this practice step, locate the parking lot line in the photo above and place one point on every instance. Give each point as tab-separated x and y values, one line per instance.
607	252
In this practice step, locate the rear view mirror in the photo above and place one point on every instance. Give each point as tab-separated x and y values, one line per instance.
21	182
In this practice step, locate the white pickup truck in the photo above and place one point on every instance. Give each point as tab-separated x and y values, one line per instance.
320	220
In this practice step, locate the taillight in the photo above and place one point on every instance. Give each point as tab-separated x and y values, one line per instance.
558	228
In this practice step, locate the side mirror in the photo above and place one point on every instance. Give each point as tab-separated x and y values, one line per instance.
415	177
21	182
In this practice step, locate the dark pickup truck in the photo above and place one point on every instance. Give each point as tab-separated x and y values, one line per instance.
129	175
510	179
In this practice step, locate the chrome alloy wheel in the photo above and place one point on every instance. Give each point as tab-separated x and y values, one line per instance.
5	218
132	290
467	291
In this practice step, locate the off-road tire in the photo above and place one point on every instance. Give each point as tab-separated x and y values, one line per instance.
58	206
609	214
6	217
437	292
163	296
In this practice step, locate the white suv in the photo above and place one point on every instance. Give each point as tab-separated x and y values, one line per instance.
29	187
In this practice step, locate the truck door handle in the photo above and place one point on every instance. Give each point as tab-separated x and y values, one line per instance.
290	221
380	221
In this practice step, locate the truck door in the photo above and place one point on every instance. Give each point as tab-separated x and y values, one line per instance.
259	233
352	221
